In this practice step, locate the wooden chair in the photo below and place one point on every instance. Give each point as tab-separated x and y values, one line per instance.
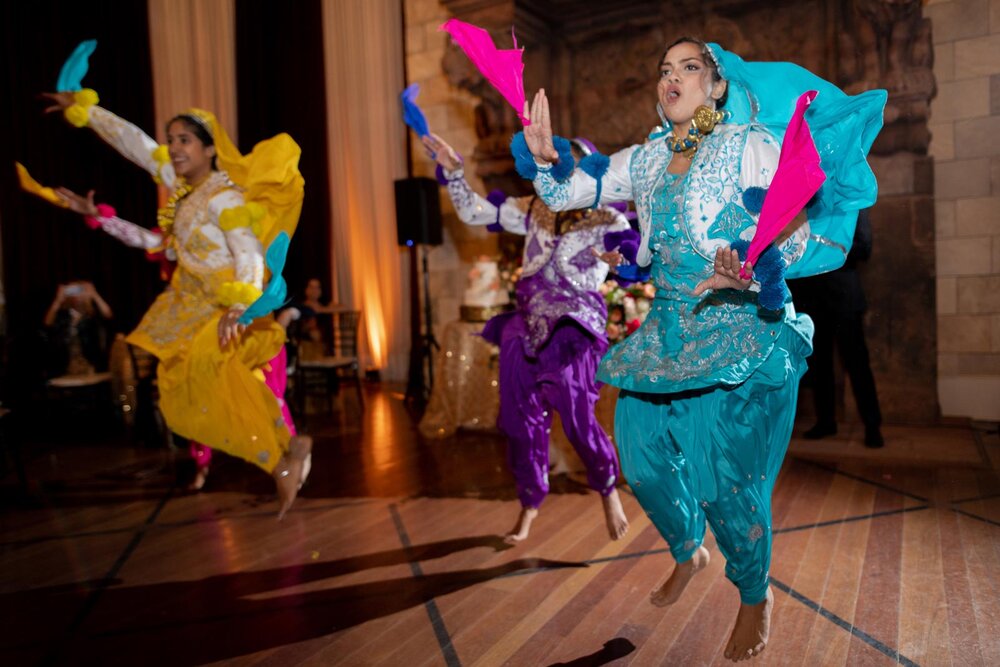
87	397
325	373
146	423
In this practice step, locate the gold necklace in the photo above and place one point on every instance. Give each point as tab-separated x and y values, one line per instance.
165	215
704	121
687	146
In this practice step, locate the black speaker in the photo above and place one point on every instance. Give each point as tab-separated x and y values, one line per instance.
418	211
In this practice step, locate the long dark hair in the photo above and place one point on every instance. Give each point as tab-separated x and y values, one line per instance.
198	129
706	55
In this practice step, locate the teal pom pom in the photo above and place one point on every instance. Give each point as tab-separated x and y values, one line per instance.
753	199
596	165
769	272
562	169
524	161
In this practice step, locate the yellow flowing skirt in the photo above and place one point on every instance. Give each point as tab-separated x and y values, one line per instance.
214	396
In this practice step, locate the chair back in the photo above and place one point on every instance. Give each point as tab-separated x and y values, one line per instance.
344	334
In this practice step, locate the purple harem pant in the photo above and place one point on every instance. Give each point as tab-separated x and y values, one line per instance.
560	378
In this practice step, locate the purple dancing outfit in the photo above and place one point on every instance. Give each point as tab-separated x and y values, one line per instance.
551	345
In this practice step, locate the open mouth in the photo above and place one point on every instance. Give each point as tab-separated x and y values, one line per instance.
673	94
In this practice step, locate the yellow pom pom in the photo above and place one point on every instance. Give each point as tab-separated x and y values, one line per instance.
226	220
86	97
238	293
161	154
257	211
77	115
231	218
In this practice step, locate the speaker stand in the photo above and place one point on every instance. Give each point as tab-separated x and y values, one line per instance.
422	343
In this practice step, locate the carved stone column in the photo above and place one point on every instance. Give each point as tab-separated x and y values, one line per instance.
887	44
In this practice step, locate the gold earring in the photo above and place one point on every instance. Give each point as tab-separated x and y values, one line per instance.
706	118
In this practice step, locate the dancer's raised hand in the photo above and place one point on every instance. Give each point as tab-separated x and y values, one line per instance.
78	204
538	135
229	327
440	151
60	101
727	273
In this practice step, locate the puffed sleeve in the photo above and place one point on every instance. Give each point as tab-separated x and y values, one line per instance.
228	210
134	144
580	190
129	233
474	209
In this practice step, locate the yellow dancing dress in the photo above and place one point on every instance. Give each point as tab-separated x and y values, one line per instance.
212	395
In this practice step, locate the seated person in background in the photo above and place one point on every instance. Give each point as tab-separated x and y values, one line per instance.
76	326
300	320
313	293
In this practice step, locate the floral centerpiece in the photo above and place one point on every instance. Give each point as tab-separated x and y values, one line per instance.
627	307
510	273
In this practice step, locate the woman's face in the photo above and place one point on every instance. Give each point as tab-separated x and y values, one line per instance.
313	290
191	158
685	83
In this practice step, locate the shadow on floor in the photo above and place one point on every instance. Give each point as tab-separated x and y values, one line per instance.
229	615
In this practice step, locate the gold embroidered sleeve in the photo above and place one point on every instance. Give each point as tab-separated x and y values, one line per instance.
238	221
134	144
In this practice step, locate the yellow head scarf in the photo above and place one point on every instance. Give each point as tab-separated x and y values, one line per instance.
268	175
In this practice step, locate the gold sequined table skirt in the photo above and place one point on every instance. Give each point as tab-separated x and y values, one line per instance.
465	393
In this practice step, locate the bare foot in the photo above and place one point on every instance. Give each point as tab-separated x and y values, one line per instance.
670	591
200	477
520	530
753	624
614	515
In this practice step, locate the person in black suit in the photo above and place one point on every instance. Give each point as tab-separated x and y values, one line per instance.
836	302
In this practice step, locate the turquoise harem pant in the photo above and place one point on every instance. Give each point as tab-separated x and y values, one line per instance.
714	455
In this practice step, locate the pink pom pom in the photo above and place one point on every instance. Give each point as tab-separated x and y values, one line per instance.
103	211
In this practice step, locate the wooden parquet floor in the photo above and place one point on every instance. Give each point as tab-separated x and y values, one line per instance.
392	557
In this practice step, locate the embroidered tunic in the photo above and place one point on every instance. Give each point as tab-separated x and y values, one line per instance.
561	276
690	342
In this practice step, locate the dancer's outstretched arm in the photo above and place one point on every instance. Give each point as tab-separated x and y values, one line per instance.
123	136
473	208
580	190
127	232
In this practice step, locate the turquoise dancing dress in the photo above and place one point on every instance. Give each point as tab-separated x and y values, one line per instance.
709	383
709	388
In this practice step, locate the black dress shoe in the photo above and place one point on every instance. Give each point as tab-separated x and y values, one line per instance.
820	431
873	438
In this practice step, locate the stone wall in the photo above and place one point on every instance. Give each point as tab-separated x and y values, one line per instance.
936	221
965	124
451	113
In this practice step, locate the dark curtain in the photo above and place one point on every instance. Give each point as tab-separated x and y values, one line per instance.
42	245
280	84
